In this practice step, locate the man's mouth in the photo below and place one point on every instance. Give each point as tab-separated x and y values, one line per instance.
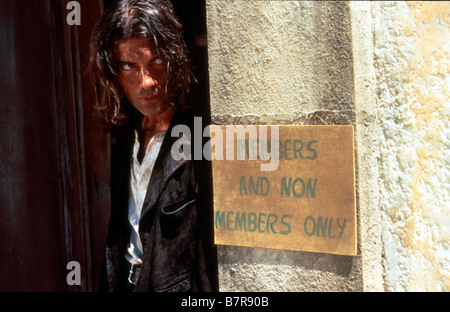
149	99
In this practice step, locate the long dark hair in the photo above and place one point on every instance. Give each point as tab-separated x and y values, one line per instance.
154	20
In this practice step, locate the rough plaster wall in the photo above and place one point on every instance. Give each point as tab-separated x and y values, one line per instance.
412	55
367	145
282	62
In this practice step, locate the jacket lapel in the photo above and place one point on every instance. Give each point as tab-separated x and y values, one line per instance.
163	169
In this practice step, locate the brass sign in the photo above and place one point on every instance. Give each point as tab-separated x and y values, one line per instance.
303	201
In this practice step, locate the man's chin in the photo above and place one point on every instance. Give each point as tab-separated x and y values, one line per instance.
155	109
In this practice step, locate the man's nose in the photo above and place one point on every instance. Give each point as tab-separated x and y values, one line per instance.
147	81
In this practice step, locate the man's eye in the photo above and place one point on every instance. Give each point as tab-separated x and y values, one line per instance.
125	66
158	61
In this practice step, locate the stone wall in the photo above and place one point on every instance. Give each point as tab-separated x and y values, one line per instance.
282	62
382	66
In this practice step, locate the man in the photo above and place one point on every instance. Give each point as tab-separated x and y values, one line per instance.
142	78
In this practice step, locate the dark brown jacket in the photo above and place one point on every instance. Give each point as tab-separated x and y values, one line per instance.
174	227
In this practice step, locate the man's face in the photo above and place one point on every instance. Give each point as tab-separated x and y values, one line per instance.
142	76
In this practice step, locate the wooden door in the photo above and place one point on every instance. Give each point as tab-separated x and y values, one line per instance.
53	158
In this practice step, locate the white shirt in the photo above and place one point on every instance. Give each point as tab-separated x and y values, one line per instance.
140	178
